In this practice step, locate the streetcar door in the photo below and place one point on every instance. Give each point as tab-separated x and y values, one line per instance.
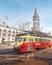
30	44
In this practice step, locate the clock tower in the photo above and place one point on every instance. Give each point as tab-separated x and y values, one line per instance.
36	22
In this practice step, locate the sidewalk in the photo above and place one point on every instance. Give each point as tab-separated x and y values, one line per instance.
5	48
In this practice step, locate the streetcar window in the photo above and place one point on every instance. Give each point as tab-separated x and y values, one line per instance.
37	39
42	40
45	40
24	39
18	39
49	40
31	40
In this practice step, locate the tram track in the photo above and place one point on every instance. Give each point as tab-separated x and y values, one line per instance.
7	57
13	57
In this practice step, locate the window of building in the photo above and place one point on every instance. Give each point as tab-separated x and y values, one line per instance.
9	33
0	32
4	32
16	32
13	33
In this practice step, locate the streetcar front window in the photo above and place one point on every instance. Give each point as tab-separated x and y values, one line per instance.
18	39
27	40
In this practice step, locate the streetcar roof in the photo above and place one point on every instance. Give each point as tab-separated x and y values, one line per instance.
30	34
35	35
27	36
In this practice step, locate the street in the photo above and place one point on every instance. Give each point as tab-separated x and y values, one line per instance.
37	57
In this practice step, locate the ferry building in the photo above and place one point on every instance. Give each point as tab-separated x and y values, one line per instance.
36	21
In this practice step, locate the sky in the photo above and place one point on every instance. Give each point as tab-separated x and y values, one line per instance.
14	11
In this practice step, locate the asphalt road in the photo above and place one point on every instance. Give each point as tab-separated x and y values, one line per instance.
38	57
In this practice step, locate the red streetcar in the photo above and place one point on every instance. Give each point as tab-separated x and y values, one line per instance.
26	43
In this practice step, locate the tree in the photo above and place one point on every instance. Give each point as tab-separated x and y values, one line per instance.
24	25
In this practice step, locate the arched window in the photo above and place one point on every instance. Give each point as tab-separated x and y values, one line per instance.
0	32
4	32
16	32
13	33
9	33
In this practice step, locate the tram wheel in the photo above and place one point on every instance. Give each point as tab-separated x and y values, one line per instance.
49	46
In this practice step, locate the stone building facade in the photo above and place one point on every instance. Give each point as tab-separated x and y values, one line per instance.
8	33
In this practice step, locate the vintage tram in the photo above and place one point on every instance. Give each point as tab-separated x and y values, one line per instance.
28	42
